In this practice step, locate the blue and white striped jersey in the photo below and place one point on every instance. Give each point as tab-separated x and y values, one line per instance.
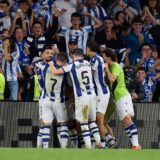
36	42
80	35
149	66
97	65
24	59
97	12
81	75
53	84
11	68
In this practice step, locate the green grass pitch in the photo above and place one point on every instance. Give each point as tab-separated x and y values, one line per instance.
78	154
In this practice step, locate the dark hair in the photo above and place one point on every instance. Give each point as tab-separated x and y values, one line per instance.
76	14
146	44
62	57
141	69
78	52
17	27
137	19
4	2
109	53
93	46
118	13
36	22
108	18
23	1
46	47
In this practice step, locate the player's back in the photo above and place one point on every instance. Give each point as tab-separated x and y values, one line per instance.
54	85
81	75
98	67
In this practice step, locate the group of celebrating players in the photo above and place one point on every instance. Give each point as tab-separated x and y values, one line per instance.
82	118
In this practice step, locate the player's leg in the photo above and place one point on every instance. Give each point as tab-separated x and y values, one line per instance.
39	136
102	104
109	113
81	112
73	137
125	112
73	134
92	121
60	112
47	117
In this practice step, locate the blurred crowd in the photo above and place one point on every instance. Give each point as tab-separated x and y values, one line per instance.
131	28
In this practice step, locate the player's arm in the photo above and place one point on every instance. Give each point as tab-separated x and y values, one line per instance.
110	75
54	70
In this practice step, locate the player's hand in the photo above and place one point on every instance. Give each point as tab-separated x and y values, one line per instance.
106	66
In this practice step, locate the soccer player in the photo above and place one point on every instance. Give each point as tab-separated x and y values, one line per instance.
53	102
124	105
102	90
85	98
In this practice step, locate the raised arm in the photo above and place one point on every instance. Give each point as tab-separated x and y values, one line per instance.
54	70
98	23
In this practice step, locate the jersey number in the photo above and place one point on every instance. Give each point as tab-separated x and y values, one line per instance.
54	83
85	78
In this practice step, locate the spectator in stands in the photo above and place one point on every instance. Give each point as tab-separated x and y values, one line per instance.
108	38
154	8
67	7
121	25
22	19
5	6
134	86
77	32
134	40
134	3
147	82
11	67
119	5
38	39
95	9
147	61
149	22
24	59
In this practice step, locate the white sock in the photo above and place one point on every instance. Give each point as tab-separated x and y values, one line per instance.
39	137
95	132
46	136
64	136
86	135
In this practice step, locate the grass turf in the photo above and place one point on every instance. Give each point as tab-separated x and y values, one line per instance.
78	154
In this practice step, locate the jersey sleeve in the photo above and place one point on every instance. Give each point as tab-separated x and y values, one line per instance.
67	68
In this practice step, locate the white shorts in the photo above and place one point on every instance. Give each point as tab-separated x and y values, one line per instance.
102	103
40	102
85	108
53	110
124	107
